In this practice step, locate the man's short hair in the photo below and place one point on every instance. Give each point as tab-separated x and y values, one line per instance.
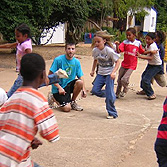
70	44
32	64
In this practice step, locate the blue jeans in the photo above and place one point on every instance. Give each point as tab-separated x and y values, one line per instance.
36	165
109	92
98	83
148	74
19	82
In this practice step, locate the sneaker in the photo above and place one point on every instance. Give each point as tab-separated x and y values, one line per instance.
122	94
111	117
61	73
50	100
75	106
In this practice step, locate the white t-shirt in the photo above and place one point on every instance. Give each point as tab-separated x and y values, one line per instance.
3	96
156	57
106	59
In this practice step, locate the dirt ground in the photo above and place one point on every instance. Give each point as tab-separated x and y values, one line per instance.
87	138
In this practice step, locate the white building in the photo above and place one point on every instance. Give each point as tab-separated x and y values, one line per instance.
57	33
147	25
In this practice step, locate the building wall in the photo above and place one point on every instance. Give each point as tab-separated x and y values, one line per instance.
58	35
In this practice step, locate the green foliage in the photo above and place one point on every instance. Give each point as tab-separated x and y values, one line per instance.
34	13
121	7
161	7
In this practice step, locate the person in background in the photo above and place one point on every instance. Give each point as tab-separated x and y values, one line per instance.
62	91
130	47
154	66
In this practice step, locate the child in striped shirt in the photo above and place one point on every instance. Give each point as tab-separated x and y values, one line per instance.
25	113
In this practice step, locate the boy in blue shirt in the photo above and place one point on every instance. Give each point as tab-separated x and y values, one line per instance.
62	91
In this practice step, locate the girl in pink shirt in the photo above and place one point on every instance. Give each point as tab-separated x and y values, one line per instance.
130	47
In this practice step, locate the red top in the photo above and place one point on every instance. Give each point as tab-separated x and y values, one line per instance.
130	50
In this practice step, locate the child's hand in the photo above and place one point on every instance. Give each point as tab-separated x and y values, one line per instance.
62	91
83	93
92	74
117	42
113	75
47	81
138	54
35	143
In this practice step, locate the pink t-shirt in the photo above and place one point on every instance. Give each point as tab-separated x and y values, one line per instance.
21	48
130	50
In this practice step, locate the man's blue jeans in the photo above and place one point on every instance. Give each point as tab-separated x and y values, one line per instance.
100	81
148	74
53	78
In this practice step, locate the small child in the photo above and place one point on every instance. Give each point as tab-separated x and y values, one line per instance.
24	114
108	63
161	141
154	66
130	47
23	45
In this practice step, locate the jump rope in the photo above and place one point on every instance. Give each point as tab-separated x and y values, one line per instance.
53	106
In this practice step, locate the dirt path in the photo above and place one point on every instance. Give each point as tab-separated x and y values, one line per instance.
88	139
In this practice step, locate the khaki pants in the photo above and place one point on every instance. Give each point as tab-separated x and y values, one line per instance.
160	79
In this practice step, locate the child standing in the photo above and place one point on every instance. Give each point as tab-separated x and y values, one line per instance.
23	45
108	63
154	66
130	47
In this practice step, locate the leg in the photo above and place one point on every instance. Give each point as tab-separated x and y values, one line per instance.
77	89
148	74
161	153
18	83
110	97
64	101
125	79
160	79
119	86
98	84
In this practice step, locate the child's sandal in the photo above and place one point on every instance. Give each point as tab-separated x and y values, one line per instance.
141	92
152	97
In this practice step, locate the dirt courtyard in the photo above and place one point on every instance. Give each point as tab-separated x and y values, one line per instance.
87	138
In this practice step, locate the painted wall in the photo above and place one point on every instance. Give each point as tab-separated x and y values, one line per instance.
58	35
149	23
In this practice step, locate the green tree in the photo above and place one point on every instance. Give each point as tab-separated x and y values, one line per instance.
161	7
74	13
34	13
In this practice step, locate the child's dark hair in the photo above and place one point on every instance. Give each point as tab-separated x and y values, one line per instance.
24	29
32	65
161	36
151	35
70	44
132	30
